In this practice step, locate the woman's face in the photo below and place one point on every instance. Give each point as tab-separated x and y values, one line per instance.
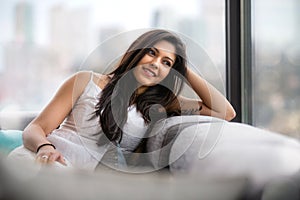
156	64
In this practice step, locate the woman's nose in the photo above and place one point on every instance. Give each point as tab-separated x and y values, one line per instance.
155	63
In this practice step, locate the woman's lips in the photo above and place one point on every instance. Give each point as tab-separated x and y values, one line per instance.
149	72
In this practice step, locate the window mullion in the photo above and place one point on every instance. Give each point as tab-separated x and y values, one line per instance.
233	56
246	62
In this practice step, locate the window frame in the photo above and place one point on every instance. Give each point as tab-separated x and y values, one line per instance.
239	58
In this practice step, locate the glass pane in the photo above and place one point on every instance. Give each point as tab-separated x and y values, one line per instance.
46	41
276	74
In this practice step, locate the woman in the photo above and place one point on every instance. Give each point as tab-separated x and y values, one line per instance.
100	114
101	117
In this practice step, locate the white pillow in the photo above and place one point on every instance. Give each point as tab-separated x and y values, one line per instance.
237	150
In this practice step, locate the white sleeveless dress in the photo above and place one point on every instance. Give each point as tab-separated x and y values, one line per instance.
78	135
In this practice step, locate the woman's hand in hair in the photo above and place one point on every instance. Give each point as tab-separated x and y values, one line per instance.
212	101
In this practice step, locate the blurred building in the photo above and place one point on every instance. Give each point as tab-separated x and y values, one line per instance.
24	24
276	66
27	67
70	34
205	33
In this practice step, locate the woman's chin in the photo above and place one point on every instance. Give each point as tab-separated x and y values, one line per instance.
146	83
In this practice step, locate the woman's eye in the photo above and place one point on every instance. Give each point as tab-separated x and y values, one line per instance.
151	52
167	63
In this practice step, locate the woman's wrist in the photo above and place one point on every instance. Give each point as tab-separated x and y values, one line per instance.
45	144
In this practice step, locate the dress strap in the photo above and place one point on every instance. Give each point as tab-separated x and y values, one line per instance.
92	75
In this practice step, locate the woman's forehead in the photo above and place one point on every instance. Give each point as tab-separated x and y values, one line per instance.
166	47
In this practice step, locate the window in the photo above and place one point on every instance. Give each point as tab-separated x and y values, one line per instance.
276	65
46	41
262	63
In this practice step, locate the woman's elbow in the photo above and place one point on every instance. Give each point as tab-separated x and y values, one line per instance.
230	114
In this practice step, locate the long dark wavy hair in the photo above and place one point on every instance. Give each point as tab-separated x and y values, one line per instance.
120	92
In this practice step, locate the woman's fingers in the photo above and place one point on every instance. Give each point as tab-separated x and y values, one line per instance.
42	158
50	157
62	160
58	158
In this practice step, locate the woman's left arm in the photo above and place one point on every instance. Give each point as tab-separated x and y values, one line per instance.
212	103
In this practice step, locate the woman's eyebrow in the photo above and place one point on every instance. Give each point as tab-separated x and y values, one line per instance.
157	50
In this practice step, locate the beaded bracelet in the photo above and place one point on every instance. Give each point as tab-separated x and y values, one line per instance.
46	144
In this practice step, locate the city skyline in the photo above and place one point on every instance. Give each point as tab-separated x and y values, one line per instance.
102	14
57	48
70	41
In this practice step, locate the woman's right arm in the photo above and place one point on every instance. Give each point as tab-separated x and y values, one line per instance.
35	134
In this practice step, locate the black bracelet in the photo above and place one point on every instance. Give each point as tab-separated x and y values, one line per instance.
46	144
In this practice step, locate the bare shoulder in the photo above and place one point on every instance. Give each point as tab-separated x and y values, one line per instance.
76	83
83	75
80	80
